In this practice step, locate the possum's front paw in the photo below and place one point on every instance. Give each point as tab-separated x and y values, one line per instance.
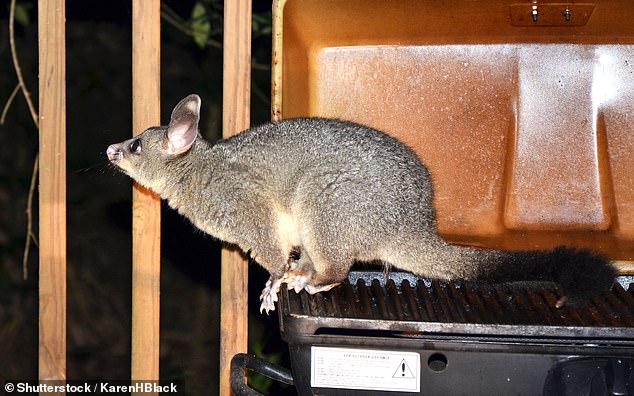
269	294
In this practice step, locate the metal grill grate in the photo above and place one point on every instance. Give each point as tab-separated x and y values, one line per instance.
404	303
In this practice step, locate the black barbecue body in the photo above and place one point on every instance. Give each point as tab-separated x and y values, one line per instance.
471	339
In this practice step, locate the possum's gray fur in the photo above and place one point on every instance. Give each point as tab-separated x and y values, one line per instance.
308	197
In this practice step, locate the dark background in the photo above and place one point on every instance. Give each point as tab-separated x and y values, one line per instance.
99	98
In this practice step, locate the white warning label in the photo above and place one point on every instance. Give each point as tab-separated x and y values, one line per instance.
367	369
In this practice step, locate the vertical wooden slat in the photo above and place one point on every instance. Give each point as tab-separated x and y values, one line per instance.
277	60
52	189
236	114
146	223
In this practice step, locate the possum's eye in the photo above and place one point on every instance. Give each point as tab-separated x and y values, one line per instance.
135	146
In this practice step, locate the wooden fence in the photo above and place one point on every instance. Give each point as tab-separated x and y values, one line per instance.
146	206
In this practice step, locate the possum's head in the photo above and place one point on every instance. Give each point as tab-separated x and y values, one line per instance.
149	157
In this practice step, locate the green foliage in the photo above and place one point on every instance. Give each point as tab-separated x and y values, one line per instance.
200	23
22	14
205	23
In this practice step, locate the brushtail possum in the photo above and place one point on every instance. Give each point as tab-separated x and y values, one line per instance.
308	197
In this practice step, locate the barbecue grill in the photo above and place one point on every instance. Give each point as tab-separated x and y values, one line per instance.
400	335
522	111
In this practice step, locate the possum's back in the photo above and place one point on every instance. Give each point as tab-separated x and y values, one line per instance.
302	144
336	168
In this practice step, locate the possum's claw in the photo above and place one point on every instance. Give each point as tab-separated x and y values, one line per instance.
295	281
312	289
299	282
269	294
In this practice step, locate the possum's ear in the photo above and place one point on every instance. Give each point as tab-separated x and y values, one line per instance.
183	128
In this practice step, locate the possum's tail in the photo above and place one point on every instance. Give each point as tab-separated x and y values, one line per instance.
581	274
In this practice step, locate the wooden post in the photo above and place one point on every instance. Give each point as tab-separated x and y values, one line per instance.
146	222
236	113
52	189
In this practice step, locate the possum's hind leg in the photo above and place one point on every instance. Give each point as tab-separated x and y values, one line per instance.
296	275
269	260
301	272
319	268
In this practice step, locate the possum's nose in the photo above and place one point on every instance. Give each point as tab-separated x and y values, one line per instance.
114	153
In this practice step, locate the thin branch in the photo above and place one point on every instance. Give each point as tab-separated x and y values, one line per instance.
16	65
8	104
30	236
173	19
